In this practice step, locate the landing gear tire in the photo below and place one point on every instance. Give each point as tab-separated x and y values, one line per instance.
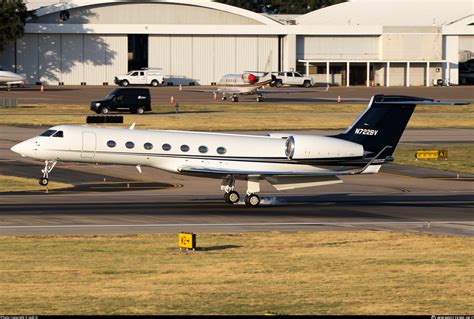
223	98
234	99
43	181
260	98
252	200
231	197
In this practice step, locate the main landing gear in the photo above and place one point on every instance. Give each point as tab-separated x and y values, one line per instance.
260	98
232	197
234	98
48	167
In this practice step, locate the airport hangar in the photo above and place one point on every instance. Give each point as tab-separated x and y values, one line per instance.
369	42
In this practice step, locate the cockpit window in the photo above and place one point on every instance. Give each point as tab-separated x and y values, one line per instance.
48	133
58	134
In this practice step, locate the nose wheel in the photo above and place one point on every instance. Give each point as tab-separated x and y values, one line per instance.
48	167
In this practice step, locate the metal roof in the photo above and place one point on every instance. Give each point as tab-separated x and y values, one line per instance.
392	13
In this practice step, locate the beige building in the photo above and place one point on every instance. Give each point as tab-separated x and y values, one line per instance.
361	42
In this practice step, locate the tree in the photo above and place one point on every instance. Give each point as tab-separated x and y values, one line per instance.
13	14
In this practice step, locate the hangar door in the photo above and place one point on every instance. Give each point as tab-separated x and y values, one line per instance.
205	59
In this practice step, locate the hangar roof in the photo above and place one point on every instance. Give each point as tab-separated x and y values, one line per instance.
74	4
391	13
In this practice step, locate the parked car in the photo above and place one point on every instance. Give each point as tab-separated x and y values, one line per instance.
145	76
133	100
292	78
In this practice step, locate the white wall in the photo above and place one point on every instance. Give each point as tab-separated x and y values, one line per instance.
419	47
337	47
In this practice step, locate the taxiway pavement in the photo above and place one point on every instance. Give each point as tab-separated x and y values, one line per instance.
399	198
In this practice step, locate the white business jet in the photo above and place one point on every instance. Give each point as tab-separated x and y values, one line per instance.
286	161
248	83
9	78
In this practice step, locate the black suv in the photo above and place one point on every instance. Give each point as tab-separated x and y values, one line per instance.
133	100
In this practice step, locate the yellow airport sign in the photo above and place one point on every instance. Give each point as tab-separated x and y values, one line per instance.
431	154
187	240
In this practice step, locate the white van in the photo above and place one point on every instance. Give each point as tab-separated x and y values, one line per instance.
147	76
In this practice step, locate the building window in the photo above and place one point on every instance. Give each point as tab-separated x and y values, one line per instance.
184	148
111	144
129	145
221	150
148	146
166	147
203	149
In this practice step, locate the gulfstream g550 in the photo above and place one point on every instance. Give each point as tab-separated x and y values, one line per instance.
286	161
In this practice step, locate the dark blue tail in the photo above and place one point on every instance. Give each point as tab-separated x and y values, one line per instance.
383	123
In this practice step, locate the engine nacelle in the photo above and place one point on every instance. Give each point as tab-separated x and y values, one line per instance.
315	147
249	78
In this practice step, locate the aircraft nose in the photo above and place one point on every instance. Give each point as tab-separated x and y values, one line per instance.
20	148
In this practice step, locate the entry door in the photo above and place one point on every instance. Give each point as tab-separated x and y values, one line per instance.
88	145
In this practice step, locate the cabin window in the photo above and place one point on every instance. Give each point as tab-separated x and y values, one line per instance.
129	145
148	146
184	148
221	150
48	133
111	144
203	149
166	147
59	134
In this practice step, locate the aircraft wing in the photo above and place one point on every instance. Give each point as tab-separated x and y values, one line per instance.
222	171
264	91
200	91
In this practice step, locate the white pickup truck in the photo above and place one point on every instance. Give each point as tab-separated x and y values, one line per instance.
292	78
150	76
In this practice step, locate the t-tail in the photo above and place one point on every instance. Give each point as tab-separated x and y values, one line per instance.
382	124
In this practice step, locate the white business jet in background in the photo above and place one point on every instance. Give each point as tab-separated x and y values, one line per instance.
287	161
248	83
8	78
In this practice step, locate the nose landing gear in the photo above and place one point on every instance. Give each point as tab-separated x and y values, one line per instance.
48	167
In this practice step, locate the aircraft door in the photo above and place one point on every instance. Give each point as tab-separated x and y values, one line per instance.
88	145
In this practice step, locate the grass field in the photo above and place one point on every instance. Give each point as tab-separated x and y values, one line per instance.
251	273
459	157
16	184
240	116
